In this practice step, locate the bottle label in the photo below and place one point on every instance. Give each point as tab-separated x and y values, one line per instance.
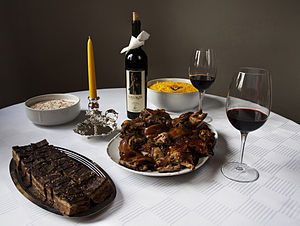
135	88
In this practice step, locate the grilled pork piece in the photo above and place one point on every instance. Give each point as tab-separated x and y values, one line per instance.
196	118
157	116
58	180
134	159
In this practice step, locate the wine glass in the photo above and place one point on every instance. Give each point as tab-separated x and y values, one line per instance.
248	106
202	73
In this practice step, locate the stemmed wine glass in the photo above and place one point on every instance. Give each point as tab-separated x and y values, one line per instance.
202	73
248	106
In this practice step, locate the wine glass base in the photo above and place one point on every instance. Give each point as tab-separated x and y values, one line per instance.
239	172
208	119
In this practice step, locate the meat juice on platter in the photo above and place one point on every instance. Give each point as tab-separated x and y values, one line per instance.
202	82
246	119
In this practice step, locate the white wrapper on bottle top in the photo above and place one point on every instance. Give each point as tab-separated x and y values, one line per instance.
136	42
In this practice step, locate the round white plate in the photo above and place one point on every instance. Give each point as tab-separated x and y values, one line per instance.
113	153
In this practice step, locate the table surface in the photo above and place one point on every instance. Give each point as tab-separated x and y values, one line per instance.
202	197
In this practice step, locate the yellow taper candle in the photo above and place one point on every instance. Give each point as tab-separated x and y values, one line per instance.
91	69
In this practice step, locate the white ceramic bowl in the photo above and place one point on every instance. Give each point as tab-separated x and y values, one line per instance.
52	117
172	102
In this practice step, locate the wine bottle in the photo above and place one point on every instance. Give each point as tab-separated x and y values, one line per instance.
136	67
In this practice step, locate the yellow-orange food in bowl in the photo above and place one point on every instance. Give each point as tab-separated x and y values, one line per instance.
173	94
173	87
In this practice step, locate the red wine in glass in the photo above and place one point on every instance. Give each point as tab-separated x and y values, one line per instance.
246	119
202	72
202	82
248	105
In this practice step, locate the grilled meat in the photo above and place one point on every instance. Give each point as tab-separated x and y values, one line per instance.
154	141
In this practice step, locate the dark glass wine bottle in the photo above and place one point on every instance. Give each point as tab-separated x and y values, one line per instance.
136	67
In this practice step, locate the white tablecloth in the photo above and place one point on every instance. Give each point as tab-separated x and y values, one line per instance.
203	197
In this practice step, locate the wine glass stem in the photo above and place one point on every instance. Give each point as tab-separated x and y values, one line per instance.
201	96
243	142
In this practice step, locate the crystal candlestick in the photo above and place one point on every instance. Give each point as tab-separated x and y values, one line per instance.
97	124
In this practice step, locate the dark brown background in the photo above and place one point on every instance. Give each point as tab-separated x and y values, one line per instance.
43	43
